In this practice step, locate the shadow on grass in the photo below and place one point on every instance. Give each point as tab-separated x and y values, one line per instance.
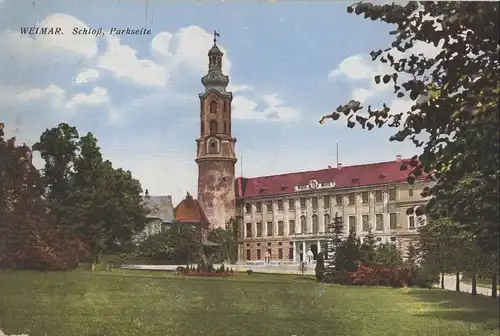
457	306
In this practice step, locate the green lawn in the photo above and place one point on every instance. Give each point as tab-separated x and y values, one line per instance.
122	303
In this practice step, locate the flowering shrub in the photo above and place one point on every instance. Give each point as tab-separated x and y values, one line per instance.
363	275
379	276
209	274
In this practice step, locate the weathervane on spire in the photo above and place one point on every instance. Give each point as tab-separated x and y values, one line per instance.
215	36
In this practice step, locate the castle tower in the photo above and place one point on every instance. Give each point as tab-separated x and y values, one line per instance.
215	146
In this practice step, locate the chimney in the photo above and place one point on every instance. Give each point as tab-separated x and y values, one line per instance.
329	167
146	194
339	165
398	158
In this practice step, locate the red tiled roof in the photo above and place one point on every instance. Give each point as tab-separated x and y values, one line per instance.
190	211
346	177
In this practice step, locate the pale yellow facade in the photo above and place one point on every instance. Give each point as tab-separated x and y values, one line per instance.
287	227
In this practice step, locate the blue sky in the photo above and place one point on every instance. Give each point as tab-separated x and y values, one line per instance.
139	94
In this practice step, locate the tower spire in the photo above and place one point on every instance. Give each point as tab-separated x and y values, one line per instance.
215	79
215	36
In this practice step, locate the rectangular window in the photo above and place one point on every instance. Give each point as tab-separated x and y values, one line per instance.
259	229
315	203
291	227
269	206
326	201
338	200
249	230
410	192
393	221
280	228
290	253
291	204
366	223
269	228
280	254
302	203
364	197
248	208
249	254
258	207
280	205
392	194
378	196
258	254
379	219
352	199
411	222
352	224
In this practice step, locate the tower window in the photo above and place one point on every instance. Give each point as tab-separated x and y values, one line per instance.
213	106
225	105
225	127
213	127
202	127
213	146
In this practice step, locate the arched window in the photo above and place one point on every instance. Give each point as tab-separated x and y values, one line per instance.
213	127
213	106
326	222
212	146
303	226
225	127
315	227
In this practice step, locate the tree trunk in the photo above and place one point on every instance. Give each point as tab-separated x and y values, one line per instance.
442	280
97	258
457	282
494	280
474	285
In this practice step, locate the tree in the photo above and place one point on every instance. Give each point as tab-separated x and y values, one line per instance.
368	249
438	243
228	240
30	238
320	267
388	255
455	103
99	203
302	267
348	253
184	243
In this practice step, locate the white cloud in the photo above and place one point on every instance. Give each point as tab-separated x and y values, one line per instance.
96	97
354	67
247	109
361	94
35	94
122	61
160	45
361	70
239	88
47	46
87	76
193	43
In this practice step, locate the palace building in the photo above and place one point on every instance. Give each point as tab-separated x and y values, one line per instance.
284	217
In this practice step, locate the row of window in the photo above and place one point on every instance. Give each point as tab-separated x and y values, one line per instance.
214	128
213	106
365	225
327	201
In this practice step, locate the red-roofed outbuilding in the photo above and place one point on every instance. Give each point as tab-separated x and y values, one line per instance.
189	211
